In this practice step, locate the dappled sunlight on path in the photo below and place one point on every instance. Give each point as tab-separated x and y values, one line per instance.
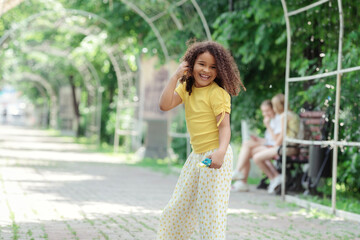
29	144
52	188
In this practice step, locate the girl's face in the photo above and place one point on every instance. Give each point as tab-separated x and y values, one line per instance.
204	71
267	111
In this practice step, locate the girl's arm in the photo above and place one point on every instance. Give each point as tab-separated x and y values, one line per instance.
270	130
169	98
224	140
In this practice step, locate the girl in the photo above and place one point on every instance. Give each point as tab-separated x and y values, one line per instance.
208	74
260	158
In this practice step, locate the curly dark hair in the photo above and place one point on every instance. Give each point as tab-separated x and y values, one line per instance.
228	75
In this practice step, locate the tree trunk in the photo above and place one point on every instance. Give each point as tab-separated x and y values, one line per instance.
75	105
231	5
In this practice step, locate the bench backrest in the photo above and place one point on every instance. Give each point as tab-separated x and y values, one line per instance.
312	122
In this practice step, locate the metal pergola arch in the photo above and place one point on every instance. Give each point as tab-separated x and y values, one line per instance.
47	85
82	67
43	82
52	51
138	8
335	143
43	91
43	119
87	72
84	72
112	52
55	81
151	15
125	101
125	79
86	68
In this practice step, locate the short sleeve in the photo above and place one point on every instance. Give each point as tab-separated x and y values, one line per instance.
181	90
220	103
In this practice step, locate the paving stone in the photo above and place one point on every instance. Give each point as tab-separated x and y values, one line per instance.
52	188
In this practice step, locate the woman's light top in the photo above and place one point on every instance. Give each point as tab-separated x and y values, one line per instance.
293	125
201	109
275	124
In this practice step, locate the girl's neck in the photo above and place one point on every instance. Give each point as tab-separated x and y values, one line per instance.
200	87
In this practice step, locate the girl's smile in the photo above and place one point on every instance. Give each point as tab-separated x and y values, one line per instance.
204	70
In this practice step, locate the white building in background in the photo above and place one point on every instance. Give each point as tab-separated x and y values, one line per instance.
15	109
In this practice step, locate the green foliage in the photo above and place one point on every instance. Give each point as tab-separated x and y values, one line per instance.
110	125
320	94
349	169
123	31
255	35
346	199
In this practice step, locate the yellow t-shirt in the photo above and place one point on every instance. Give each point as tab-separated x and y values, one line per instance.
201	109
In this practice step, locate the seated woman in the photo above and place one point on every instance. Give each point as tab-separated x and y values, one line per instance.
261	158
254	145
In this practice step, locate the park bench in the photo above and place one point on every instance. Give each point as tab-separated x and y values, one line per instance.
306	165
319	157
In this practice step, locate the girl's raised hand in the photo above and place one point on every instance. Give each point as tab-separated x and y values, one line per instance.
182	69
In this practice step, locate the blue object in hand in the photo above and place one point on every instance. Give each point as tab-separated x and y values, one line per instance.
207	162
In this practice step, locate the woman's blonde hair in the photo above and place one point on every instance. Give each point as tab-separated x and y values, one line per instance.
267	102
278	102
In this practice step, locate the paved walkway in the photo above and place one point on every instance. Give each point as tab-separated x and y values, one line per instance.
54	189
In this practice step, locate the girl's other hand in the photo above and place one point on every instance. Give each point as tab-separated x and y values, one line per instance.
267	121
254	138
217	159
182	70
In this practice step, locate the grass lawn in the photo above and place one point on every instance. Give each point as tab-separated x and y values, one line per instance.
345	201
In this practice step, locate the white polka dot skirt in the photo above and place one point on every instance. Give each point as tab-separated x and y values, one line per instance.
200	198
